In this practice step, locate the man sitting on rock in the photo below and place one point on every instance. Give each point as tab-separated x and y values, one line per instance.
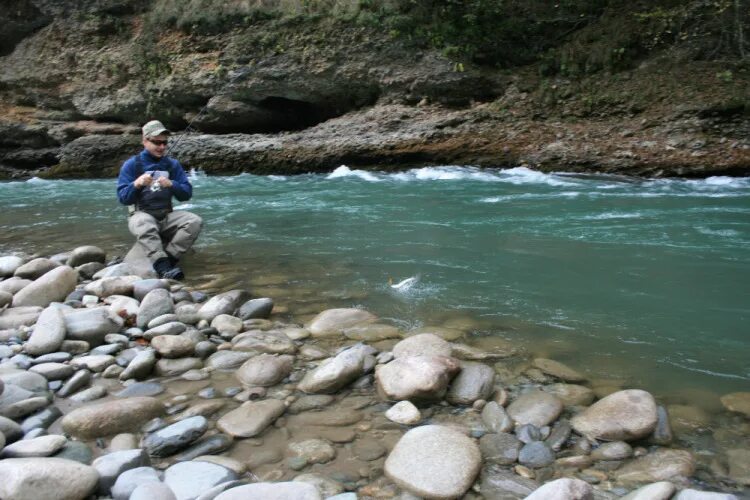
147	183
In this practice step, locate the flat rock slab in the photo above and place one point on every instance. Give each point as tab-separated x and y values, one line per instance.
536	408
435	462
38	478
737	401
662	465
622	416
332	322
251	418
423	344
138	262
173	438
111	417
558	370
52	286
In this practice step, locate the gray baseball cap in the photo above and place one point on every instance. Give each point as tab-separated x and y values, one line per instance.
154	128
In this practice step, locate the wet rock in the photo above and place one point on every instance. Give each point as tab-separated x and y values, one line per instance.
371	332
264	370
224	303
313	451
173	346
622	416
563	489
686	419
272	491
267	342
474	381
37	478
42	446
209	445
41	420
111	417
434	461
92	325
49	333
251	418
187	313
52	286
656	491
528	433
130	479
332	322
175	437
335	373
571	394
501	448
141	366
495	418
85	254
738	402
617	450
661	465
416	377
404	412
35	268
536	407
140	389
500	484
113	464
445	333
10	430
189	479
88	270
559	434
536	454
228	360
153	305
558	370
142	287
76	451
424	344
307	403
173	367
326	486
9	264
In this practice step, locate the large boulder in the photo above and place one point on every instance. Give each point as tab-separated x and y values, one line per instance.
622	416
416	377
111	417
52	286
434	462
332	322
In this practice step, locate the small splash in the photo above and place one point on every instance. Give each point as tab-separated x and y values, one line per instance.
405	284
344	171
724	233
614	215
37	180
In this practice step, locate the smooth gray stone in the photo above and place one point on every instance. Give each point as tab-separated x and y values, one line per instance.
565	488
500	484
13	285
256	308
173	367
536	454
49	332
75	296
90	394
153	491
141	366
690	494
558	435
495	418
113	271
23	379
173	438
142	287
227	360
113	464
663	432
130	479
127	355
43	419
206	446
141	389
53	371
212	493
502	448
45	478
75	346
76	451
16	317
23	408
528	433
22	361
35	268
42	446
92	325
106	349
474	381
54	357
88	270
116	339
14	394
85	254
6	352
54	385
204	349
5	298
78	381
189	479
9	264
52	286
154	304
296	490
224	303
162	320
173	328
10	429
35	433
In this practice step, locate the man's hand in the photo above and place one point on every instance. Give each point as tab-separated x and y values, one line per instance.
143	180
165	182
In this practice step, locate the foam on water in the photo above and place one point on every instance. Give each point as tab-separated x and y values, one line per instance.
343	171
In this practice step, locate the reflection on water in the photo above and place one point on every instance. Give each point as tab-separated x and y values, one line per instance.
643	283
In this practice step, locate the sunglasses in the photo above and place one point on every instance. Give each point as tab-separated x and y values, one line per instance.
156	142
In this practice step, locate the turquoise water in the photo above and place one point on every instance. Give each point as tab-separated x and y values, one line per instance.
642	281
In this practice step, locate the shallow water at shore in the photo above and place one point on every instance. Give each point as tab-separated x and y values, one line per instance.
644	282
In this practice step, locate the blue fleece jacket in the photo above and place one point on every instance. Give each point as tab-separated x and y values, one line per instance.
128	194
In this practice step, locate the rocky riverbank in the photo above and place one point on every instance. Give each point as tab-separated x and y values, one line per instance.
114	384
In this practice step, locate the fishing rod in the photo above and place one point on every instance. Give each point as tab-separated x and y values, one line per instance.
241	73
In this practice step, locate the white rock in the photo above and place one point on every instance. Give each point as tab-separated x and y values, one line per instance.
622	416
272	491
9	264
416	377
563	489
404	412
40	478
655	491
